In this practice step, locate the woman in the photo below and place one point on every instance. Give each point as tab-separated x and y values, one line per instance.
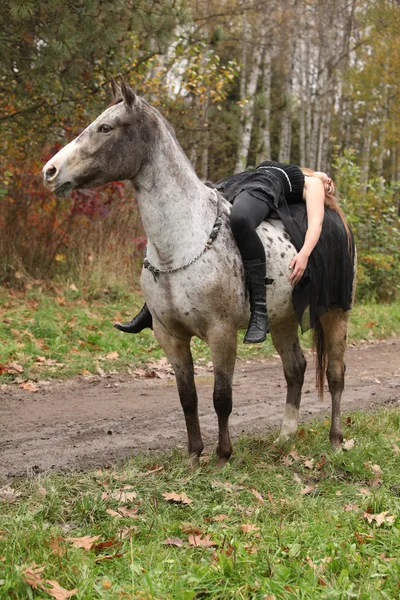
300	199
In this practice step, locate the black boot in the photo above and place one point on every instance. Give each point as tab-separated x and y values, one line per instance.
258	327
138	323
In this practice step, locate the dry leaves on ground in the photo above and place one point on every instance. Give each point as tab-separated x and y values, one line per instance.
86	542
380	518
249	527
29	386
58	592
178	498
33	576
189	528
348	444
9	495
219	518
201	542
130	513
307	490
258	496
120	496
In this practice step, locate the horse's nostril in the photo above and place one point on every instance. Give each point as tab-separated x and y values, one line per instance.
50	173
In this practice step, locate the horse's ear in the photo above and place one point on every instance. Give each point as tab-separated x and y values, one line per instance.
128	94
116	91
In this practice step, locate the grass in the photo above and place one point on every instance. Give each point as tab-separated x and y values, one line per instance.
64	334
267	539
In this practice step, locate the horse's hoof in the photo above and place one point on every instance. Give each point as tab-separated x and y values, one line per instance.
221	462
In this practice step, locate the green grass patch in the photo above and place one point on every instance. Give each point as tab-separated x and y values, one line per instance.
249	532
64	334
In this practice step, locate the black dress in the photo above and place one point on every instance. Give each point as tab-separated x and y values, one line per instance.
328	279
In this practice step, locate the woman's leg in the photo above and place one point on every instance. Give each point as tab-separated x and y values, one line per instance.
246	215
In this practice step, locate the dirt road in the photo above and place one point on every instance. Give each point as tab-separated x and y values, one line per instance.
94	421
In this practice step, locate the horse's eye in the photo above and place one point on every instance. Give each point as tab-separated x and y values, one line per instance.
104	128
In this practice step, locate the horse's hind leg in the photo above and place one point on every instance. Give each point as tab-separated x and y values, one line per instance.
286	341
223	344
334	324
179	355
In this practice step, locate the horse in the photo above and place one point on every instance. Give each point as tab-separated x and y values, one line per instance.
193	278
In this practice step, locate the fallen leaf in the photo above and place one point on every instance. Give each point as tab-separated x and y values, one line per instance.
307	490
348	507
295	455
106	584
322	581
348	444
309	464
112	355
58	592
113	513
396	449
219	518
86	542
174	542
189	528
107	544
9	495
321	463
178	498
33	577
251	548
257	495
296	478
131	513
29	386
56	544
364	492
203	542
379	518
248	527
120	496
14	367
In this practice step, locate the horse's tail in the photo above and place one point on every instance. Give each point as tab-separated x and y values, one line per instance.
318	340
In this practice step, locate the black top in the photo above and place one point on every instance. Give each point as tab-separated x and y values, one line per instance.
328	279
262	182
291	177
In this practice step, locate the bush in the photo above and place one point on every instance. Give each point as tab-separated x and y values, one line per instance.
372	215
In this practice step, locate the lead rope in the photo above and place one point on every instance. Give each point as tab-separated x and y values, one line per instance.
209	244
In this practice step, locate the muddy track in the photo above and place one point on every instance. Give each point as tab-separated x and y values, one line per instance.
93	422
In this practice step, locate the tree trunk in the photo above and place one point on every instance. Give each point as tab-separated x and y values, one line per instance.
250	88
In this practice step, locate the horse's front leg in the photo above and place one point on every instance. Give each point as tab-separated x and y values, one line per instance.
223	344
177	350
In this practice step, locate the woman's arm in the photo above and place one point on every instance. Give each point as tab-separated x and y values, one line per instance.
314	195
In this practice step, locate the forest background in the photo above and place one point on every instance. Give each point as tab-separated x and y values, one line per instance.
313	82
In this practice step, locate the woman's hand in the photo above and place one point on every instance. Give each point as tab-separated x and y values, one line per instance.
298	264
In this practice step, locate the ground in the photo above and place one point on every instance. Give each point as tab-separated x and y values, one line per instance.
94	421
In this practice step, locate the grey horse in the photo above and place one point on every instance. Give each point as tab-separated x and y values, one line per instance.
194	280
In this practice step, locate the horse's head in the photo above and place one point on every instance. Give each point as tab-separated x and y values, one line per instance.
116	146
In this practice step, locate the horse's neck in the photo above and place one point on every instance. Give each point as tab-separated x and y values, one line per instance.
176	208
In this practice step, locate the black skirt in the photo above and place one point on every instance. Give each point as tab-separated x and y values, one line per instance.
328	279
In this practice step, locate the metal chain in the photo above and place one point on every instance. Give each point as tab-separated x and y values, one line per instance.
209	244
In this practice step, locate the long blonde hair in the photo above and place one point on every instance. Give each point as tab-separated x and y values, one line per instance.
331	202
